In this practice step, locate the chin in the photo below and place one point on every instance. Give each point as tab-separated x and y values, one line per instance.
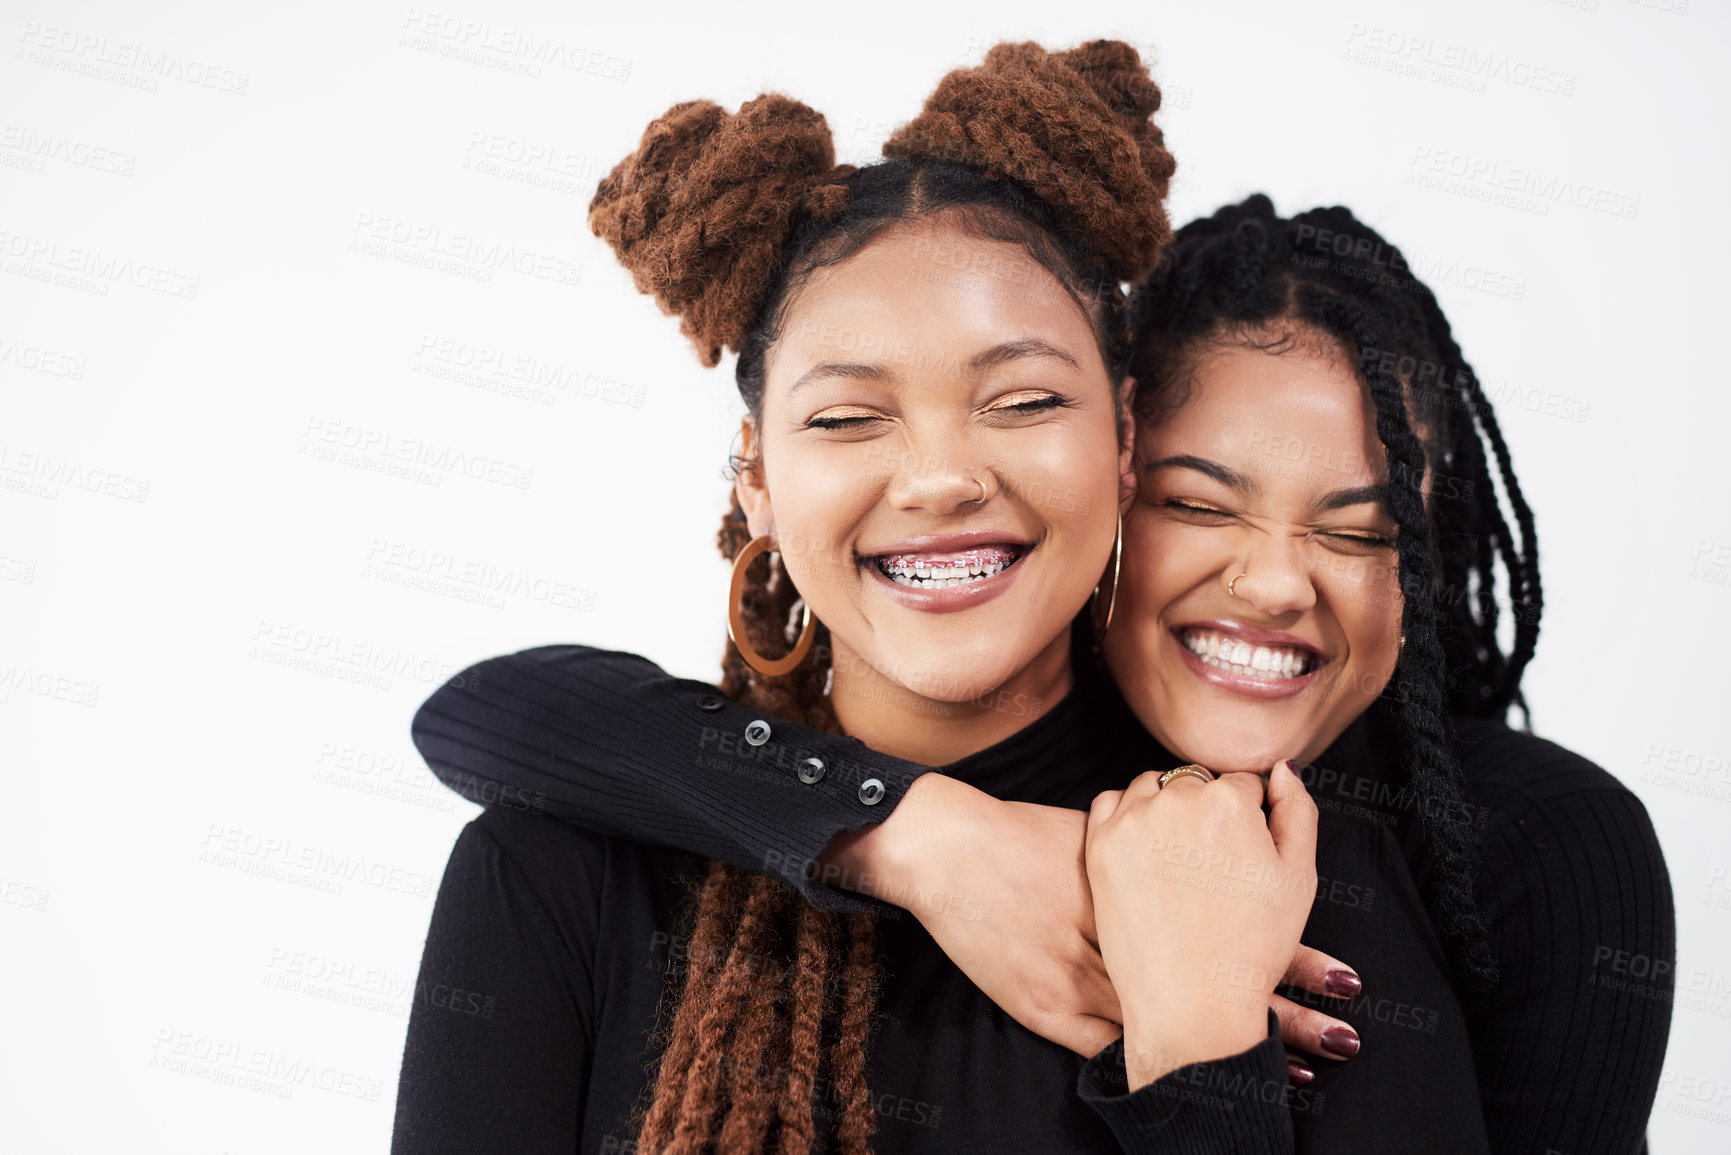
947	675
1228	741
1235	757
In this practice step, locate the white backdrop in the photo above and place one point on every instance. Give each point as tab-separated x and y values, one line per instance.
314	388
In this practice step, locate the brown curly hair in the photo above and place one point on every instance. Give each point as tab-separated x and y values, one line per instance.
721	218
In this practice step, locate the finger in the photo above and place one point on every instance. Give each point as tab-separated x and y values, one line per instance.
1247	787
1312	1031
1291	814
1322	974
1147	782
1105	804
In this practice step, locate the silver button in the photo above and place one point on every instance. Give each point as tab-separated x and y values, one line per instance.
871	791
811	770
757	732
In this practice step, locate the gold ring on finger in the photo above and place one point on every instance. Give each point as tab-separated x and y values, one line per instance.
1192	770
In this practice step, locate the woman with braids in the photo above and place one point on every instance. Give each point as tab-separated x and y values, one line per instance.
1311	569
960	304
1277	357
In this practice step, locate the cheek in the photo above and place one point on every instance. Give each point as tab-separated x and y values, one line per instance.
819	501
1364	595
1069	480
1162	562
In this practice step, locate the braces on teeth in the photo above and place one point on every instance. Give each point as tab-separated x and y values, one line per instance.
1224	652
911	570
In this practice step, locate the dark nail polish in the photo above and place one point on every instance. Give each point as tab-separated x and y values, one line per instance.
1341	1042
1343	983
1300	1075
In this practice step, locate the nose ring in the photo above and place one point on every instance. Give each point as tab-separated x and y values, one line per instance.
1234	582
980	500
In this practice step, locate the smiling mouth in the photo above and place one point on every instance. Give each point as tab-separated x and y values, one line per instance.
1221	651
936	571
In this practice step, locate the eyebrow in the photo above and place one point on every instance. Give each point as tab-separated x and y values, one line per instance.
999	354
1014	350
1328	502
1362	495
1225	476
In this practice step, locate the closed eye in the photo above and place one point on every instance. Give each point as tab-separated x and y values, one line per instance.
843	417
1024	403
838	422
1367	541
1195	511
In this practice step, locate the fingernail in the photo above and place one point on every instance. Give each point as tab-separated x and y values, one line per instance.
1300	1075
1341	1042
1342	983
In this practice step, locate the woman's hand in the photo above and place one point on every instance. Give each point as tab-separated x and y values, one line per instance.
1002	888
1199	902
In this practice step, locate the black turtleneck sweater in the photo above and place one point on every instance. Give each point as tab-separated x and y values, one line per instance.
559	931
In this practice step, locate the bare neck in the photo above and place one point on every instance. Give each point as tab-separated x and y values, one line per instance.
904	723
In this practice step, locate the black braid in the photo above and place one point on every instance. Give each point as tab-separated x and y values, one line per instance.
1422	675
1230	276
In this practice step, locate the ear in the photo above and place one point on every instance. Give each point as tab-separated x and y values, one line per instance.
748	484
1126	442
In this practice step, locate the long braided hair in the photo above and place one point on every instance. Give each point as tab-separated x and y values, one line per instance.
1247	275
722	217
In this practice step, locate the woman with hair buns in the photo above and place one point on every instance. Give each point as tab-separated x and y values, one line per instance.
786	1027
1262	343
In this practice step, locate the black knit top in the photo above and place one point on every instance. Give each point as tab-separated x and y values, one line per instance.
607	783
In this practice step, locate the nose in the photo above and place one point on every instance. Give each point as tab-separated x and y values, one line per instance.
1273	576
938	485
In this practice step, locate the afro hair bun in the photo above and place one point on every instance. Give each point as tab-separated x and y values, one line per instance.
1075	126
701	211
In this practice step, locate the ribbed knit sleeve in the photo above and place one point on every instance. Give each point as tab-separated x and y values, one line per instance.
612	743
1570	1045
1240	1105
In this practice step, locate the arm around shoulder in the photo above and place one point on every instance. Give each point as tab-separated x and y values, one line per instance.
611	742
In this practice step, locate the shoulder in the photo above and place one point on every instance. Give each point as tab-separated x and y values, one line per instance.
1549	806
566	869
535	842
1515	772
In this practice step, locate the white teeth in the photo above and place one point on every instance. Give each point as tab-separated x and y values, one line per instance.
1224	652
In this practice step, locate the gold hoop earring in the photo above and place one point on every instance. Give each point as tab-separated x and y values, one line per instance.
1100	627
736	632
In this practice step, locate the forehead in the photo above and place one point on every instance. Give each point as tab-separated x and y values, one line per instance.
1304	404
923	288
